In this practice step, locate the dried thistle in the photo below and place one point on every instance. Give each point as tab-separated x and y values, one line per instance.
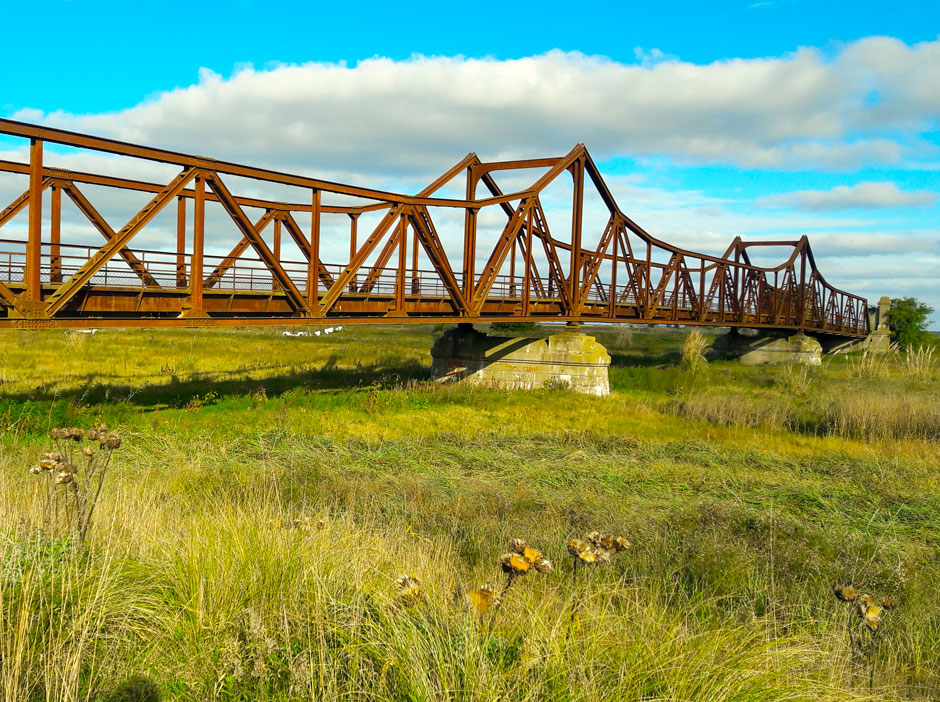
845	593
409	589
577	546
81	471
514	565
482	598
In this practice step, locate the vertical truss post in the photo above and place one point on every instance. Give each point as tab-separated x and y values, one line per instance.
801	308
469	240
181	242
402	260
34	240
55	236
701	292
527	281
277	248
612	298
199	231
415	288
353	232
313	275
512	268
577	207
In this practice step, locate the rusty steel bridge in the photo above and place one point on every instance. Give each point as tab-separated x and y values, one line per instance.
398	269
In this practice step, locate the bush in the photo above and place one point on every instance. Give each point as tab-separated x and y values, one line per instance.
908	319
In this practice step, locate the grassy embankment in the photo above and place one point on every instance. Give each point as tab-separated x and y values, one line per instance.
747	494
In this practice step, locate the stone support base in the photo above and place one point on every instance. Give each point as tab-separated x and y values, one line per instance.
569	360
762	349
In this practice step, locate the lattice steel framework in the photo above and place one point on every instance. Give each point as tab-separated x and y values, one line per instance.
629	276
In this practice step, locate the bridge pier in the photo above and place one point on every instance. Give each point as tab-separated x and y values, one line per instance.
569	360
753	347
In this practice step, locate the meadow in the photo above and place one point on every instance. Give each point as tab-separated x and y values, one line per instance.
268	493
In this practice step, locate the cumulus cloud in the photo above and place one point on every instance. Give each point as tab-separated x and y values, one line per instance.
882	195
802	110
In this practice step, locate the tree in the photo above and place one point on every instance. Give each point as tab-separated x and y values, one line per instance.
908	320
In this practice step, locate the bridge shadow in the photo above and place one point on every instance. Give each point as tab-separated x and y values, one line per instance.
641	359
203	389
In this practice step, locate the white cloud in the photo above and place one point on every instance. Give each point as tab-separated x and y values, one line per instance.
882	195
417	116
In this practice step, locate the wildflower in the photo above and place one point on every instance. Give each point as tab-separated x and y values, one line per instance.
36	470
409	588
543	565
587	556
603	555
518	546
63	478
91	434
513	564
482	598
88	451
889	603
845	593
55	433
110	441
577	547
872	617
620	544
595	538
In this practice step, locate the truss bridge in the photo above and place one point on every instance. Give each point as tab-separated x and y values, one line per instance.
203	242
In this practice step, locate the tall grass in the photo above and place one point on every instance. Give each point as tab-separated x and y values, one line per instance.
247	545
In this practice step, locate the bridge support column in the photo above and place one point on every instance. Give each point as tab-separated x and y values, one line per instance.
753	347
569	360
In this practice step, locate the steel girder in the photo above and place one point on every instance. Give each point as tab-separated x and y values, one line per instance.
626	276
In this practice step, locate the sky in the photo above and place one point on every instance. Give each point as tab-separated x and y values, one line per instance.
765	120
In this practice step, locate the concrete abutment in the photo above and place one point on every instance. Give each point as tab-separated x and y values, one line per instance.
569	360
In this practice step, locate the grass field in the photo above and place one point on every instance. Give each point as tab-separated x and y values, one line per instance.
270	490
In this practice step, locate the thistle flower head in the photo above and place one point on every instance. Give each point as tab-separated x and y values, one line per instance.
91	434
482	598
603	555
607	542
577	547
587	556
518	546
889	603
530	554
872	616
865	601
63	478
845	593
110	441
543	565
594	537
514	564
88	451
36	470
620	544
409	588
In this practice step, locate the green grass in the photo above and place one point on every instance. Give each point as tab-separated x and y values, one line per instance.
744	508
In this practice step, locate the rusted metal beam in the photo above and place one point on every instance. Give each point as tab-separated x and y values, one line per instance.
68	289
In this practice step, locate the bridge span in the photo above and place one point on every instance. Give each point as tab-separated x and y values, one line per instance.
481	254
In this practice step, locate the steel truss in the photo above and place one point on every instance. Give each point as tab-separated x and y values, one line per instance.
629	276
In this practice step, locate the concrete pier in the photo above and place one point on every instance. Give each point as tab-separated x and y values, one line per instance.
567	360
753	347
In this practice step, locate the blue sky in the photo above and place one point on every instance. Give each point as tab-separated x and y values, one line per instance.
710	120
